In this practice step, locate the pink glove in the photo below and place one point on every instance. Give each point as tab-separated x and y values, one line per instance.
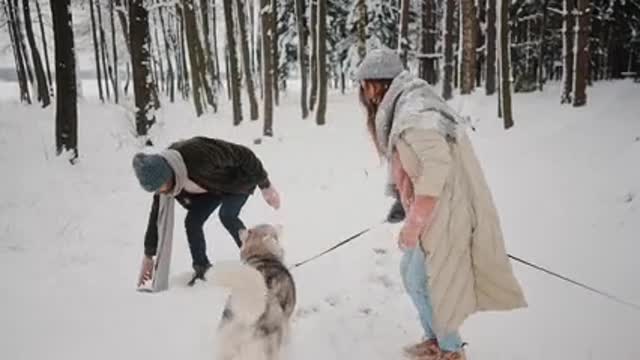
271	196
146	271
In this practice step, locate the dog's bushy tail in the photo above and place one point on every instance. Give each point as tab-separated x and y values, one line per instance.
247	287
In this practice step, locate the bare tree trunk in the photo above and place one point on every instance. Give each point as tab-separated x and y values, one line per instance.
314	54
468	21
428	42
505	65
141	63
122	15
66	95
116	83
21	42
103	50
582	53
362	28
447	86
186	90
490	84
267	70
246	59
214	29
43	91
17	51
302	45
322	63
201	88
480	40
96	48
542	55
568	44
44	46
403	43
208	53
275	53
158	51
233	63
167	50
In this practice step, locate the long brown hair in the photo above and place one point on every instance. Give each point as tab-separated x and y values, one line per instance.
371	106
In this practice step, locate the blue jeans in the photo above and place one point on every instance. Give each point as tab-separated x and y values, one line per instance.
414	277
201	207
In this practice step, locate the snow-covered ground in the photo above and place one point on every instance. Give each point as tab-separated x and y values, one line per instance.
566	182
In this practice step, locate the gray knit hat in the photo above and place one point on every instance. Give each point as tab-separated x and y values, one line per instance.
382	63
152	171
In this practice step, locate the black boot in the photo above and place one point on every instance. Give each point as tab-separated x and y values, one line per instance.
199	272
396	213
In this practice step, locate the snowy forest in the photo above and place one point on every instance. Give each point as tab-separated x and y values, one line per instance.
151	52
551	92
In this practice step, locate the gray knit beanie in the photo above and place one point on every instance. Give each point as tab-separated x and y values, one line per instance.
382	63
152	171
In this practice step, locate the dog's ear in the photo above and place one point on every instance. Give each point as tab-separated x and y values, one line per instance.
244	235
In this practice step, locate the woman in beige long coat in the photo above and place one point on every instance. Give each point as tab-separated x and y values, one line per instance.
454	263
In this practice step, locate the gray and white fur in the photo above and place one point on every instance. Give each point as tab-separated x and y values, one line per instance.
255	321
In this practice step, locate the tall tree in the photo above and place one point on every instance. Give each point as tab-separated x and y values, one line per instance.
582	53
403	43
17	51
267	70
542	50
313	26
428	42
505	65
141	65
567	51
447	86
246	59
96	50
468	46
116	84
168	36
275	52
208	50
20	39
124	24
200	85
302	45
66	96
233	63
103	49
216	57
43	36
362	28
322	63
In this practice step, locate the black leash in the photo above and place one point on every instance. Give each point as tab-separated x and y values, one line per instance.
515	258
614	298
343	242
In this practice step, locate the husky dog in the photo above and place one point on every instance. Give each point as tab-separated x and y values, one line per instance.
255	321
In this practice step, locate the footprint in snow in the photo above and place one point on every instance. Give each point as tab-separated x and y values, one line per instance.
332	300
365	311
385	281
380	251
306	311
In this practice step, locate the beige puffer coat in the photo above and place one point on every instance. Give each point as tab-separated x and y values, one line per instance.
469	270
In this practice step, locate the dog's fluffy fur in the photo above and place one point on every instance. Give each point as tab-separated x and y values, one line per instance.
255	321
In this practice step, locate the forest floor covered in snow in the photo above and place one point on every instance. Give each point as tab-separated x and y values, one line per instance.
566	182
